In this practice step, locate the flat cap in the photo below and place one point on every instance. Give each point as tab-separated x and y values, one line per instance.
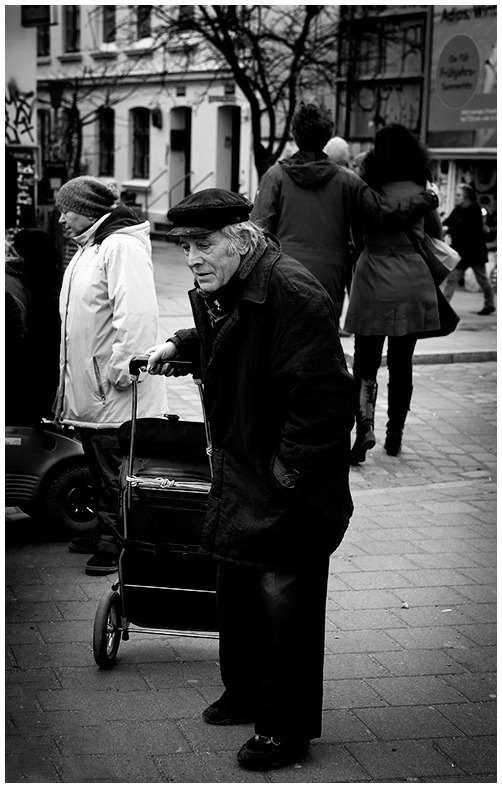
208	210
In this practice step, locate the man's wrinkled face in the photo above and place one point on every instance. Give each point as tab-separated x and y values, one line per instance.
74	223
210	260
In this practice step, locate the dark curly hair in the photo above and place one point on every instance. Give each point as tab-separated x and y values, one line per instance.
397	156
312	127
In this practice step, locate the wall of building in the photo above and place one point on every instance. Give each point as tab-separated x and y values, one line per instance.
130	82
21	162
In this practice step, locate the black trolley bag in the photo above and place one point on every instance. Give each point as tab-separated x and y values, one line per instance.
164	586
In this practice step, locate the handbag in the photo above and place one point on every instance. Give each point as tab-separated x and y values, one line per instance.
448	318
440	258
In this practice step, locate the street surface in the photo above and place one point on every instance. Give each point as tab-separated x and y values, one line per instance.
410	627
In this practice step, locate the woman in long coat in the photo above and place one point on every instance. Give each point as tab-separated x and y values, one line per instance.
392	294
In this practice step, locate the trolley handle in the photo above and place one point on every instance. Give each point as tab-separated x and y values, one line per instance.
138	362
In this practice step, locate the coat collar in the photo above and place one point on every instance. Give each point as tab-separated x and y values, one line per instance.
256	286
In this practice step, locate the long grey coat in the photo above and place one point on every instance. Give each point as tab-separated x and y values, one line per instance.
392	292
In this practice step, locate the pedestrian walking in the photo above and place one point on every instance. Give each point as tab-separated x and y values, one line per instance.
393	294
309	202
280	404
42	275
17	306
109	312
465	225
338	151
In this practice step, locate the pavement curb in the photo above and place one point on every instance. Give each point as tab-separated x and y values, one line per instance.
455	357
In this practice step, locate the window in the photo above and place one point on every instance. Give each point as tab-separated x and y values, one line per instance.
106	141
43	41
71	28
144	21
141	143
109	24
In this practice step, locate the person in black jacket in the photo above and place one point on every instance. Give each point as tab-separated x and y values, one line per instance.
280	404
17	306
43	279
465	225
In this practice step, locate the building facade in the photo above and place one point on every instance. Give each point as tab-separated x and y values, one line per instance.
433	69
91	93
22	161
112	106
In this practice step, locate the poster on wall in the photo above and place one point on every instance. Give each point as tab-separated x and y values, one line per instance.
20	185
464	70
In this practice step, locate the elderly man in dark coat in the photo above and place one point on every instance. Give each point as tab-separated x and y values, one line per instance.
280	403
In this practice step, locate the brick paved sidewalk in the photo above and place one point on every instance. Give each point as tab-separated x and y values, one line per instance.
410	662
410	628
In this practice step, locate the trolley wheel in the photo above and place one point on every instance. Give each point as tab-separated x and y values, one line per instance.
107	630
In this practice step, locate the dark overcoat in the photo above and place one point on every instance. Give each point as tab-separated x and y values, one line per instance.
277	391
465	224
392	292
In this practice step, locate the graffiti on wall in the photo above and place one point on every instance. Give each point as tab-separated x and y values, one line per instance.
19	127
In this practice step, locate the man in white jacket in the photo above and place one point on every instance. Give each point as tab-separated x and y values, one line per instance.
109	313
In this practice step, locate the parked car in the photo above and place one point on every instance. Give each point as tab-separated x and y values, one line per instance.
47	477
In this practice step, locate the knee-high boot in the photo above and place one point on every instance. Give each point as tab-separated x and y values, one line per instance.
397	411
365	420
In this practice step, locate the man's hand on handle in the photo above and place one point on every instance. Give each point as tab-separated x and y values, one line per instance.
158	363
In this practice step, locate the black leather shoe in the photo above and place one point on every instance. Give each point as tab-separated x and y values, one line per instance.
263	753
487	310
102	564
393	443
83	544
221	713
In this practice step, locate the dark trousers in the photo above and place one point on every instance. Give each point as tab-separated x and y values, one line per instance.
272	645
368	357
104	458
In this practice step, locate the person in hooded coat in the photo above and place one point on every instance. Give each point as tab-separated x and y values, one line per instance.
109	311
309	201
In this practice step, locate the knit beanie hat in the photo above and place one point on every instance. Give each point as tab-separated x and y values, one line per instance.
87	196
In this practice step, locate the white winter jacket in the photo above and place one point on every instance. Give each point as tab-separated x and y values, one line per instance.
109	314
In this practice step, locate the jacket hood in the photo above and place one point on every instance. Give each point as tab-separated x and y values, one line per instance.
122	219
309	170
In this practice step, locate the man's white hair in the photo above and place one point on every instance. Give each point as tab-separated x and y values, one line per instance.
242	237
338	150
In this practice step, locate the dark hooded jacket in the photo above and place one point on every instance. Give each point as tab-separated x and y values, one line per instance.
279	399
309	202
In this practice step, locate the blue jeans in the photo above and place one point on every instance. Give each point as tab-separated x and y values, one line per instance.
479	271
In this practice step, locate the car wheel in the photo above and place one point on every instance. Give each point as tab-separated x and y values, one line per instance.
69	503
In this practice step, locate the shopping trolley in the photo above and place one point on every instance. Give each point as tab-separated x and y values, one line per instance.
164	587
